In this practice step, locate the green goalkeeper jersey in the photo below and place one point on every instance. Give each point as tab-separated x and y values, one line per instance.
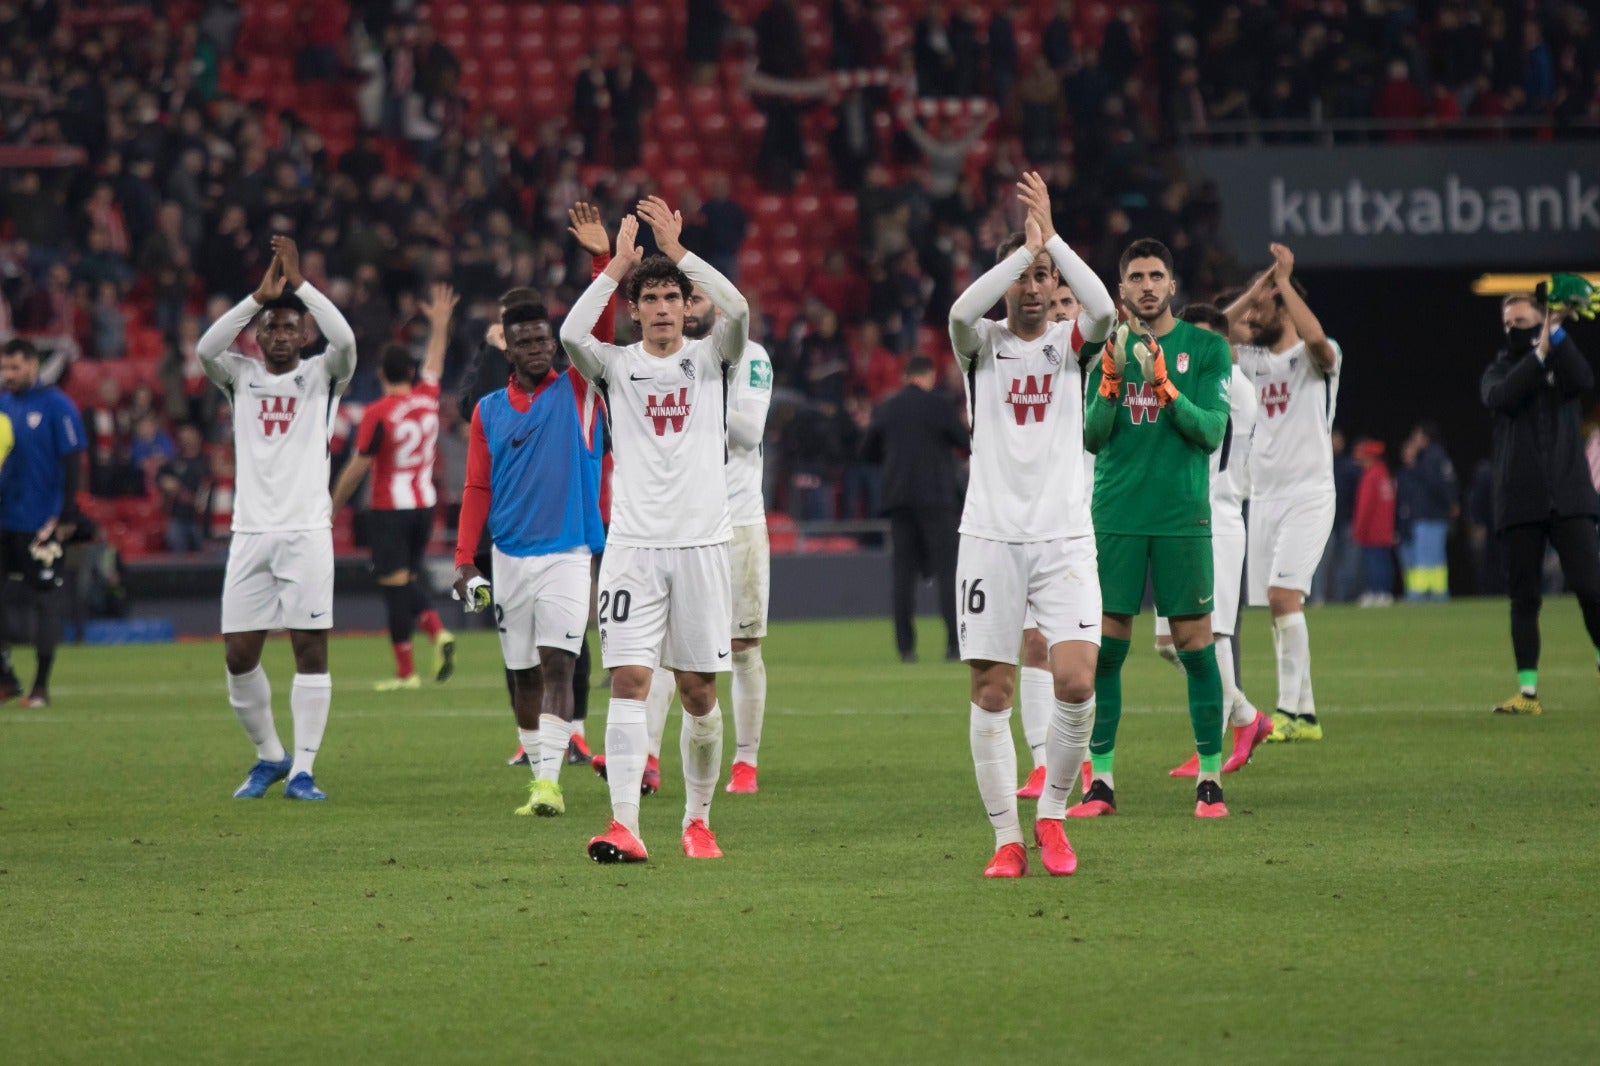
1152	473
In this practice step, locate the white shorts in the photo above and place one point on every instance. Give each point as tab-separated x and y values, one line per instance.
278	581
1286	542
750	559
665	607
540	601
999	587
1227	563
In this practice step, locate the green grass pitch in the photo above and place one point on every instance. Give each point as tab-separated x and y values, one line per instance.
1422	886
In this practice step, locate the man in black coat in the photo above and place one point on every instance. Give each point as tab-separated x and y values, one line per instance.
914	435
1543	493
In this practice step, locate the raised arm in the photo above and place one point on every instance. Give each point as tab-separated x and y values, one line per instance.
438	309
1509	382
986	291
1099	312
1305	323
587	353
590	233
340	356
212	348
732	330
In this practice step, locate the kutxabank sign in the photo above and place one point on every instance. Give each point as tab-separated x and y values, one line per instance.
1474	206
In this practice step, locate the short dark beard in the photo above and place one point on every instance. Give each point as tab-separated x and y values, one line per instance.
692	328
1269	336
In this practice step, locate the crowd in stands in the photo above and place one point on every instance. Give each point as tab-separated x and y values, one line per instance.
851	164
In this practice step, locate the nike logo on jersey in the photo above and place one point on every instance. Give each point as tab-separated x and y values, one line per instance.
1280	575
746	625
574	636
636	377
722	655
1205	601
1002	355
318	614
1085	625
517	442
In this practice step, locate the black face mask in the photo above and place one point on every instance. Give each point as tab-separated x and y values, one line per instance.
1522	338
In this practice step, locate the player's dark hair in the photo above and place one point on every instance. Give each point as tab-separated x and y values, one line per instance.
1145	248
286	302
1229	297
23	347
1009	245
1428	428
522	294
918	365
1203	314
523	312
657	270
396	365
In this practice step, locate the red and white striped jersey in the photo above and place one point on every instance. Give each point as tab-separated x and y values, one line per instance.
401	434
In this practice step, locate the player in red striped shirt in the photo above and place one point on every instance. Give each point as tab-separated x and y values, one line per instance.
397	441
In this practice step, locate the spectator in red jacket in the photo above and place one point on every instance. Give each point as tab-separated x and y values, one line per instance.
874	368
1373	527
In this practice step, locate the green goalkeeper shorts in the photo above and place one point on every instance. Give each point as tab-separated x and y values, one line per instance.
1180	570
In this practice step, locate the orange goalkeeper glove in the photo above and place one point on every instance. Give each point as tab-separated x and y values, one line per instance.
1153	365
1112	360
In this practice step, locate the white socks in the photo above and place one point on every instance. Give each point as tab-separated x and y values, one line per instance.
1038	691
551	738
250	694
749	703
1308	703
626	742
700	744
1294	658
309	699
529	739
994	757
1067	747
663	686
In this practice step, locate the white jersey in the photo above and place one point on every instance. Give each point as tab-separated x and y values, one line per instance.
282	423
1230	484
1292	451
669	487
1026	403
749	398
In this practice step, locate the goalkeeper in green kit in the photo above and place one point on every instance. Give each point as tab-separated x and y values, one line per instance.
1157	409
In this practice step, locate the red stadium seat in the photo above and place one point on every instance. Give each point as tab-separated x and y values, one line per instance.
492	46
571	18
531	17
451	16
458	41
541	72
492	18
789	264
650	24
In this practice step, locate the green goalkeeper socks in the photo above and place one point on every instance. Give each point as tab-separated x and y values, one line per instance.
1205	704
1108	696
1528	681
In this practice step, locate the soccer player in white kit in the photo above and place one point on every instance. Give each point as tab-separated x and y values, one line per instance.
1295	369
1229	489
749	554
1027	540
280	562
665	594
1036	688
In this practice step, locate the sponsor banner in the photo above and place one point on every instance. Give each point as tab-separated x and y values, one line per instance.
1458	205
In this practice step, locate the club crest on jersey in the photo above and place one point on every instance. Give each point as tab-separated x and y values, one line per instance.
1275	398
1183	362
299	381
1140	400
1030	396
34	419
1050	355
276	414
687	366
667	410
